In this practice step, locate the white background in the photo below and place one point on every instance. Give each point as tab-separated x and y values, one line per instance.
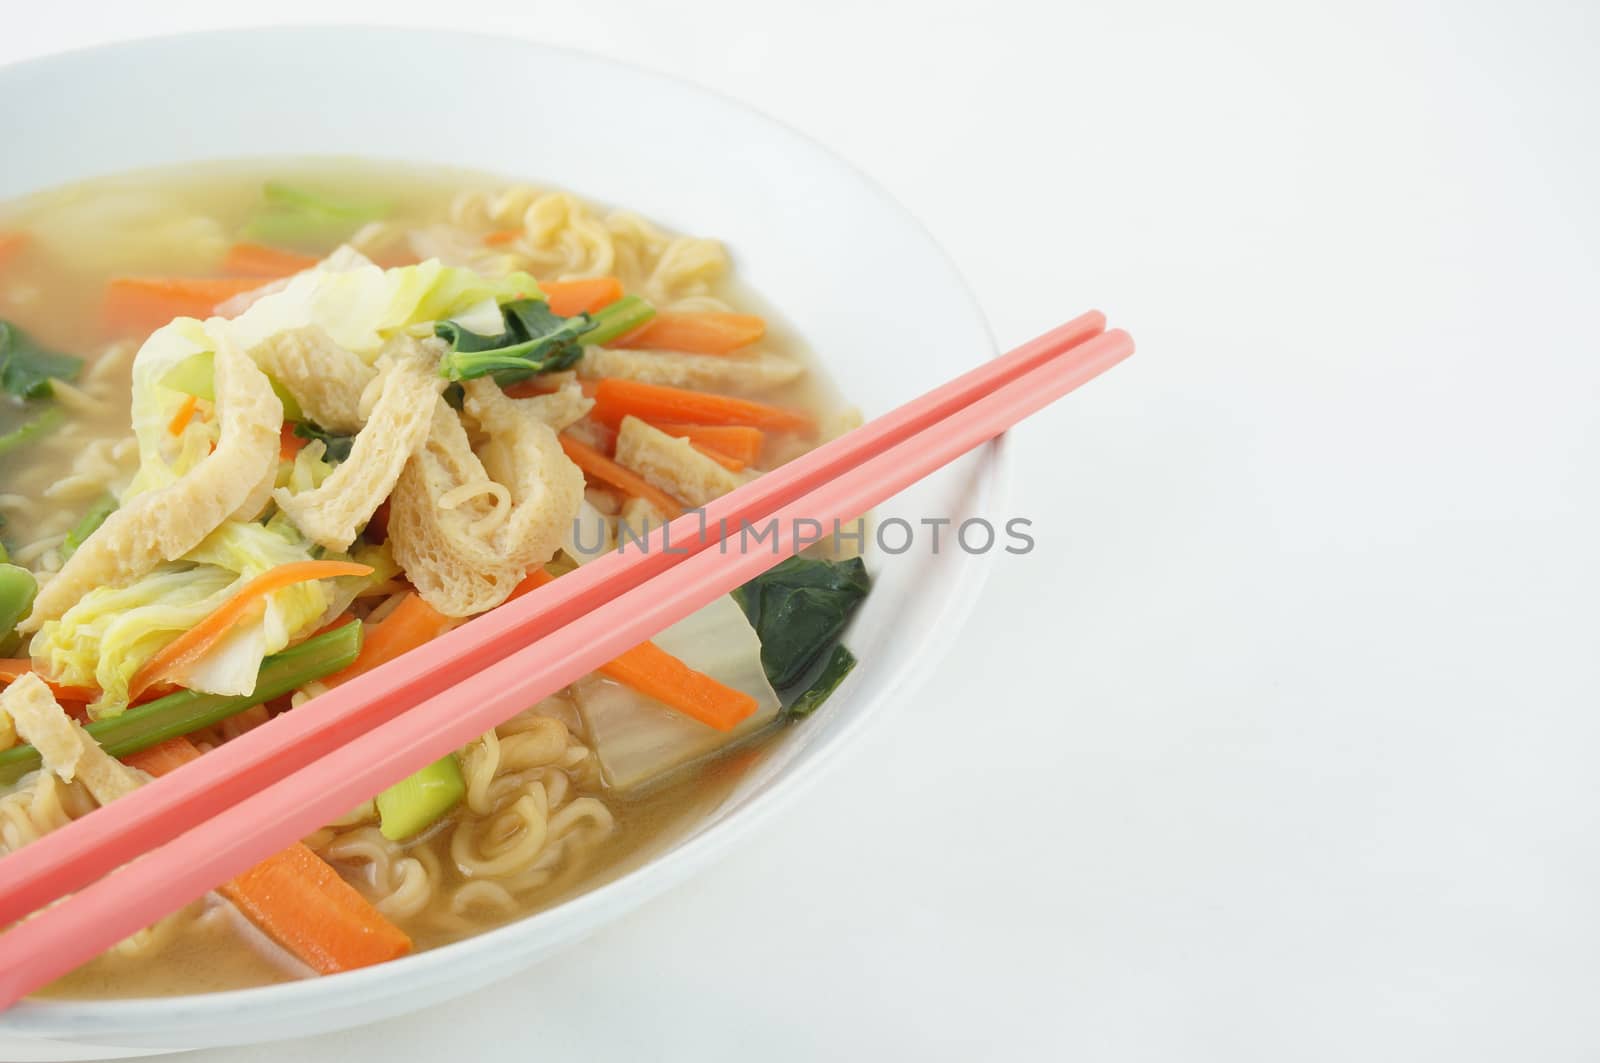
1283	744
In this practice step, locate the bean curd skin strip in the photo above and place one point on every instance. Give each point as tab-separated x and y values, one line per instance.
295	897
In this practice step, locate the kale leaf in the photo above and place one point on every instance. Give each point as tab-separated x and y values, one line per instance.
535	340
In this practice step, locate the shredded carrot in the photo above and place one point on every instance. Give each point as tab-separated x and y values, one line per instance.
616	398
185	414
737	442
12	669
728	462
144	304
543	385
168	662
710	332
11	245
602	468
585	296
408	625
501	237
289	444
654	672
295	897
259	260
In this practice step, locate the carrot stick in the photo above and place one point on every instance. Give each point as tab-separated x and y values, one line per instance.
295	897
290	444
12	669
602	468
185	414
703	333
585	296
655	673
144	304
739	442
616	398
194	643
408	625
259	260
732	464
501	236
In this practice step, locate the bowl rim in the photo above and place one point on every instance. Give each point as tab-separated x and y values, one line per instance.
993	477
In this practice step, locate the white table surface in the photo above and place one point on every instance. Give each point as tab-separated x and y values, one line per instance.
1283	743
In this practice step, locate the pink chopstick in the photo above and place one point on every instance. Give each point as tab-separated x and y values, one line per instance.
344	769
71	858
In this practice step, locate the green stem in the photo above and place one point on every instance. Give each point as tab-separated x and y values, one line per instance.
188	710
618	319
40	426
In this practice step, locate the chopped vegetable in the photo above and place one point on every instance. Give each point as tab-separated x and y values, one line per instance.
17	588
585	296
185	414
839	664
26	368
338	446
501	237
144	304
34	430
710	332
597	466
535	340
14	668
11	245
655	673
187	710
734	445
638	740
296	217
799	608
414	804
620	318
169	663
616	398
92	518
407	626
295	897
259	260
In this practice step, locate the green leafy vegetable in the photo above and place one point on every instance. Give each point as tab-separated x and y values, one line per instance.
799	608
32	431
186	711
26	368
17	588
838	665
92	519
295	217
338	446
535	340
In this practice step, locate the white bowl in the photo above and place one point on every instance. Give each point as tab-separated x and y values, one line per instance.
834	254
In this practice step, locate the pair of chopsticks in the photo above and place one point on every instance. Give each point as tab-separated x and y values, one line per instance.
181	835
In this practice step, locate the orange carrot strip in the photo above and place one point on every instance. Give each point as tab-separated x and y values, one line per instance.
144	304
616	398
11	245
408	625
12	669
501	236
295	897
602	468
732	464
737	441
655	673
185	414
585	296
710	332
167	662
289	444
259	260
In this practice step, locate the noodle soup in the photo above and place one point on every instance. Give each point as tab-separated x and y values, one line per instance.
267	427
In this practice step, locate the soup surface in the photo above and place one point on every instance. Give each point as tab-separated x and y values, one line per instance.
267	426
